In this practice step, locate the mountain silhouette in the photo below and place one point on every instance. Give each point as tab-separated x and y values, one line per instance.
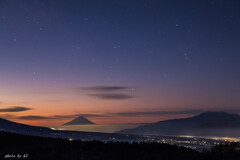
204	124
13	127
79	121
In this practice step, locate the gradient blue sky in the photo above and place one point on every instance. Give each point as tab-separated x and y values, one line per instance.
64	57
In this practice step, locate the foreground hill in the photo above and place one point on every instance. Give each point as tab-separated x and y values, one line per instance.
6	125
204	124
39	148
79	121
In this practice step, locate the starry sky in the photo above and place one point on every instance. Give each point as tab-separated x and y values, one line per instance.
118	61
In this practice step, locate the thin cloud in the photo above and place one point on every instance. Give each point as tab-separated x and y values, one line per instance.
63	116
15	109
112	96
37	117
76	115
157	113
94	115
33	117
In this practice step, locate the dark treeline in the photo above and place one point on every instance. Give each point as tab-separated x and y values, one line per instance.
39	148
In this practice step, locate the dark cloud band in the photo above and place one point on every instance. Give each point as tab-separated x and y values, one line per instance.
112	96
108	92
33	117
106	88
15	109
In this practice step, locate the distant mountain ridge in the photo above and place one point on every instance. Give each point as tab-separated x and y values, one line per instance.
79	121
13	127
204	124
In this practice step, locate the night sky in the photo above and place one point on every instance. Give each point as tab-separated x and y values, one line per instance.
118	61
